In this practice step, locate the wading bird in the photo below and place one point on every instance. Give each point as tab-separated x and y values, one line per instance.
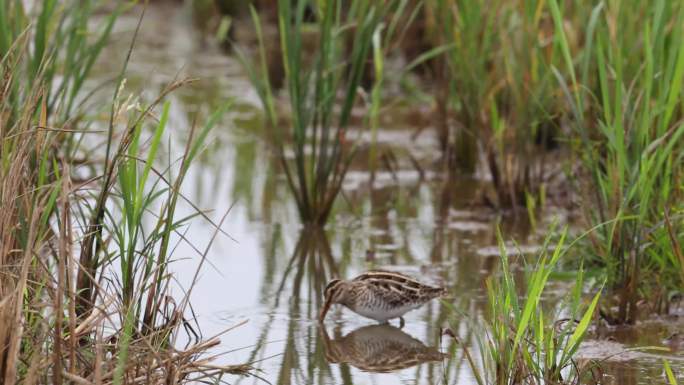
379	295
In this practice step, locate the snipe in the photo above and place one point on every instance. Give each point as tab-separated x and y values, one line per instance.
379	295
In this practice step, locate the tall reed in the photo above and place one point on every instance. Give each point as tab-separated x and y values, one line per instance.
37	48
624	93
61	314
315	147
496	92
59	49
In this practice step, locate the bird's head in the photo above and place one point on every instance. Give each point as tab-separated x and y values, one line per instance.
333	293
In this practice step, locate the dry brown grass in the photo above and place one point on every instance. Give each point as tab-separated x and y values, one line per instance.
63	315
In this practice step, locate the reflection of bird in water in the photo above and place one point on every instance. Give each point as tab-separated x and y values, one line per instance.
379	348
379	295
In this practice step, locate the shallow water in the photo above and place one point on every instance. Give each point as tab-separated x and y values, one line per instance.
270	272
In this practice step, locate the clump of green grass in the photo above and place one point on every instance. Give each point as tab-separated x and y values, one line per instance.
624	93
51	44
498	93
315	147
520	341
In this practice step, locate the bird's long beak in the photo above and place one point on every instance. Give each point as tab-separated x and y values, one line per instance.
324	309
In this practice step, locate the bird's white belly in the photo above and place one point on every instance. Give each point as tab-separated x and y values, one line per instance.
383	315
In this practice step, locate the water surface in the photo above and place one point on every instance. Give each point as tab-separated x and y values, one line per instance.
270	272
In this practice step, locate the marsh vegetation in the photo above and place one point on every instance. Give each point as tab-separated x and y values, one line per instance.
180	180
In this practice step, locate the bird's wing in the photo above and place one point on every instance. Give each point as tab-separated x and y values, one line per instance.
393	293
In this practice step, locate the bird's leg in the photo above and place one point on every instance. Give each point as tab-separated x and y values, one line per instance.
401	322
